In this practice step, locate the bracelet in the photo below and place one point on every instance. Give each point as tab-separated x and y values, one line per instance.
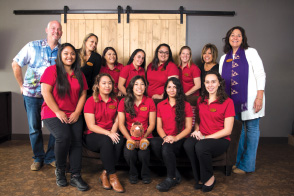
203	137
258	98
163	137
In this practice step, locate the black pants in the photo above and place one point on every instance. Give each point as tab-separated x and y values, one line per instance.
201	152
132	157
68	141
109	152
168	153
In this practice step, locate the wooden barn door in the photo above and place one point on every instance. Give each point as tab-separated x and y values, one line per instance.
145	31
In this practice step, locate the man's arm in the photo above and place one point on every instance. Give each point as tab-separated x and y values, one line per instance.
18	74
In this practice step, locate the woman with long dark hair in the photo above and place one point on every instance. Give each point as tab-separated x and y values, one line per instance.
137	108
111	66
134	67
100	113
189	72
64	89
159	70
242	69
174	123
212	134
90	59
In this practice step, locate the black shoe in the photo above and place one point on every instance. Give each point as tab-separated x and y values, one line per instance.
60	177
133	179
77	181
178	176
198	186
167	184
146	180
208	188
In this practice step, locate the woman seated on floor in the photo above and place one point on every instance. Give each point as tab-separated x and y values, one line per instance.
136	117
100	113
174	123
212	135
64	88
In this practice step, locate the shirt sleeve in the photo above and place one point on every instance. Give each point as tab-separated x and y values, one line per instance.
152	106
89	106
124	73
121	105
158	110
172	70
196	72
188	110
85	82
24	56
49	76
230	110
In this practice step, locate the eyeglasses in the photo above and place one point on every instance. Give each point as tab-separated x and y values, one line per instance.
162	52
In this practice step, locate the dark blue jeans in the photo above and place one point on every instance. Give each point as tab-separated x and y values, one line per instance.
33	109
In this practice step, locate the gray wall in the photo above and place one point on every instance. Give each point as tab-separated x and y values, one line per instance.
268	24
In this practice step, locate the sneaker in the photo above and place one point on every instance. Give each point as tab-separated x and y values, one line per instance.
239	171
36	166
60	177
178	176
77	181
133	179
167	184
53	164
146	180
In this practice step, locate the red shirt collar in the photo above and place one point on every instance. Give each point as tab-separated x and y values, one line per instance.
100	99
133	67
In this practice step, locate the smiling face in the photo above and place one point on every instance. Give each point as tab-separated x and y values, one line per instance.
68	56
139	59
207	56
163	54
211	83
105	85
91	43
139	87
54	31
110	57
171	89
235	39
185	56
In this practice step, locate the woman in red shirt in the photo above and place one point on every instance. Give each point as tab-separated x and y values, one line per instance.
174	123
189	72
111	66
212	135
137	107
64	89
100	113
159	70
134	67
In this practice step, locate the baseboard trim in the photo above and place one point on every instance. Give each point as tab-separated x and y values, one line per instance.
26	137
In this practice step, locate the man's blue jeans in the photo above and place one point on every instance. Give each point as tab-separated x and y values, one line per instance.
248	144
33	109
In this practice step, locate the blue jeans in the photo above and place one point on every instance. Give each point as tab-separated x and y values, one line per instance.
33	109
248	144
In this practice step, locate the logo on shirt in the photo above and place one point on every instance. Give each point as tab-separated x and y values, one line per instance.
186	74
116	70
229	60
143	108
89	63
212	109
74	76
162	69
112	106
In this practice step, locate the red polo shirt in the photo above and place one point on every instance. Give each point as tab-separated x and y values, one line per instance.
67	104
187	76
105	113
167	113
114	73
147	105
212	116
129	71
158	78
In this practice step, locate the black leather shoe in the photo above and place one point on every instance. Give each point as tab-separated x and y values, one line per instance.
77	181
167	184
133	179
60	177
178	176
198	186
208	188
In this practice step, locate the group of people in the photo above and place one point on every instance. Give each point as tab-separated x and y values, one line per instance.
87	99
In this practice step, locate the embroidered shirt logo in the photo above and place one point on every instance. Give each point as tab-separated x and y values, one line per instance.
89	63
212	109
112	106
229	60
143	108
